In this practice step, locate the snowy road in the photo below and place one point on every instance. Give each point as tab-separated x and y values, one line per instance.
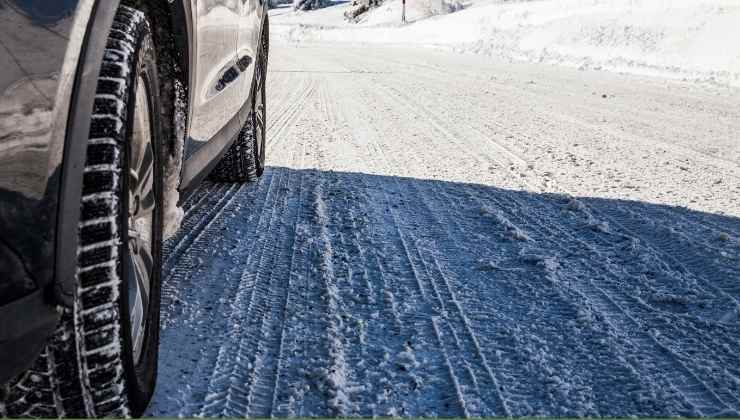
442	235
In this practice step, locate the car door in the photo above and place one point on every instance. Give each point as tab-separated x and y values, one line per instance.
215	99
250	27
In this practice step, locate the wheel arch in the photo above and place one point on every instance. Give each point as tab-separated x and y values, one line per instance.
173	23
97	20
172	28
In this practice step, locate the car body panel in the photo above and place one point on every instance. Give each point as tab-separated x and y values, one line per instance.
203	152
248	41
40	47
214	100
35	90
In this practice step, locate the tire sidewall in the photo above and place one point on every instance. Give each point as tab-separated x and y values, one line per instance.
259	150
141	378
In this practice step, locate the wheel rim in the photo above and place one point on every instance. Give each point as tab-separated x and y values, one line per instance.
141	210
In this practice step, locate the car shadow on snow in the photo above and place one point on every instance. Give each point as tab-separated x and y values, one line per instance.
476	299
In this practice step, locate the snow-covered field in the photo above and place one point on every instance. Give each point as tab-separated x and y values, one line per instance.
683	39
441	234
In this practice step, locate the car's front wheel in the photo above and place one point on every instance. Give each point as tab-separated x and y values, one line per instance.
102	361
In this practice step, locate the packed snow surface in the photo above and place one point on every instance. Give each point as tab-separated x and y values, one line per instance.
440	234
683	39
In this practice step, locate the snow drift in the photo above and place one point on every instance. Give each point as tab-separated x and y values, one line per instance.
686	39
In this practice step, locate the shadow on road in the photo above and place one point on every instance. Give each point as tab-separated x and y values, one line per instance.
325	293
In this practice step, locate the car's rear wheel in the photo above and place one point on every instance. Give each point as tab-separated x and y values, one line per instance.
102	361
245	159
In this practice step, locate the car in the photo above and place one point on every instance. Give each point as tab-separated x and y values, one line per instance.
112	112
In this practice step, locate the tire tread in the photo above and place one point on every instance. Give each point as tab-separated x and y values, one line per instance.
239	164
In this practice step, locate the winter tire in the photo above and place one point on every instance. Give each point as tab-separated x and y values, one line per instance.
245	159
102	361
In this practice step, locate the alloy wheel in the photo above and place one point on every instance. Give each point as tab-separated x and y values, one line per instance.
141	214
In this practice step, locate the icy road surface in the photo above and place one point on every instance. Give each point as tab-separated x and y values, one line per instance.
439	235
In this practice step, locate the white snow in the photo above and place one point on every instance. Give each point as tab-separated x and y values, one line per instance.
173	214
681	39
512	230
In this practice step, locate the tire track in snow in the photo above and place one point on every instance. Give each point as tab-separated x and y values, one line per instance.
203	282
420	108
637	227
389	392
288	115
689	387
675	248
346	258
405	336
417	324
453	325
263	403
285	392
295	261
706	394
408	102
585	334
234	386
423	321
554	102
263	395
432	223
191	398
561	307
282	105
202	193
197	226
620	320
372	391
308	390
313	389
720	276
429	223
671	272
620	308
181	256
465	380
512	92
235	364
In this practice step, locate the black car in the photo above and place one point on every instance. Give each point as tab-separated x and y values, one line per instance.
111	113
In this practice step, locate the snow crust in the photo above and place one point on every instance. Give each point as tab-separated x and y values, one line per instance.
173	214
686	39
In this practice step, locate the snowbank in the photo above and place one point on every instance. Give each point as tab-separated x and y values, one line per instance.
685	39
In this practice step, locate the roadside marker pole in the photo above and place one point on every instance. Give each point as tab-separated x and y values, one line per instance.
403	14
